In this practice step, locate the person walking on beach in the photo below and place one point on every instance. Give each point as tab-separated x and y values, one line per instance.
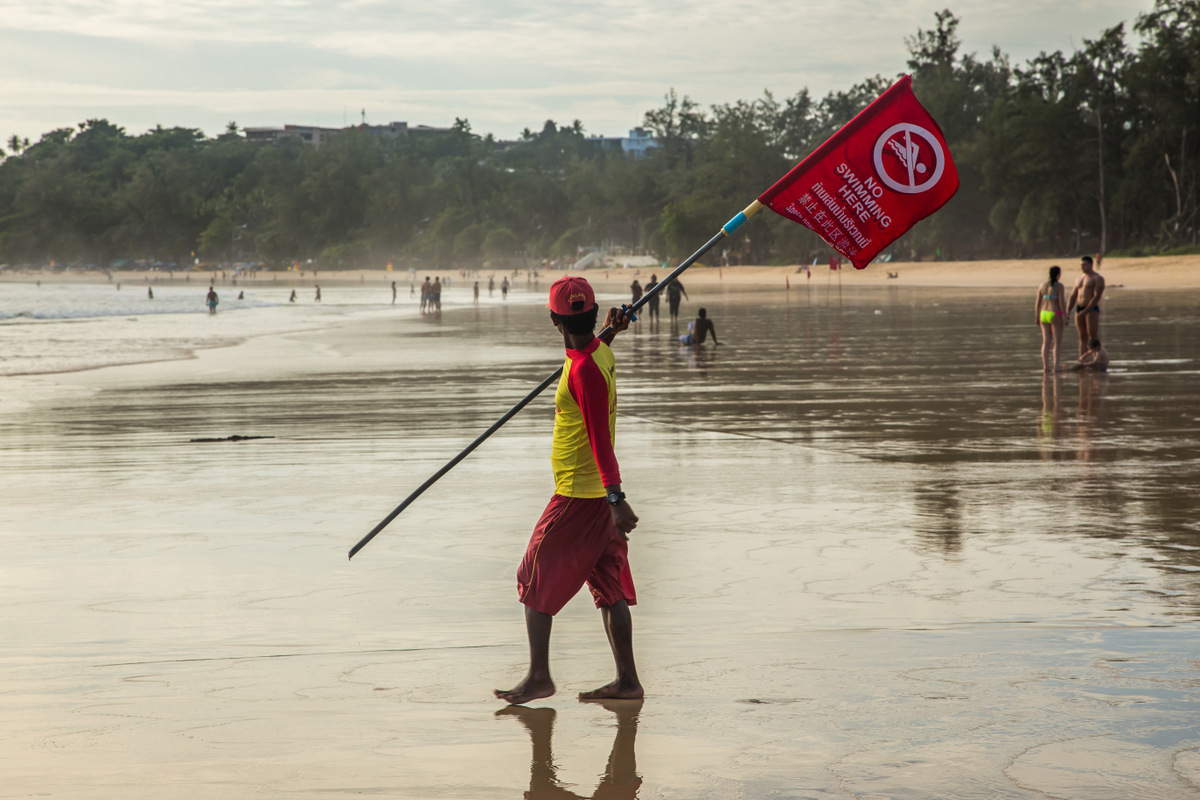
1049	309
211	299
1085	299
476	291
504	288
674	290
393	293
652	303
150	292
292	299
435	296
636	289
318	295
426	290
491	286
582	536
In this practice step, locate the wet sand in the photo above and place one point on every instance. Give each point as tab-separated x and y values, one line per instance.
880	557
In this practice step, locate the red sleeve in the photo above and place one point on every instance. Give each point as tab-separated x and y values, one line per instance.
590	390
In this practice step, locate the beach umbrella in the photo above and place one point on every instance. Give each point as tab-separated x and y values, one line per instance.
881	173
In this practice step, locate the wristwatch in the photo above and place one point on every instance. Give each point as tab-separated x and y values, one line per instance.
615	497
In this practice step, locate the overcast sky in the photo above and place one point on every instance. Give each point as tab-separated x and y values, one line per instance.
503	64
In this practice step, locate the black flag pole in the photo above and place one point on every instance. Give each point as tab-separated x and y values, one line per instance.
726	230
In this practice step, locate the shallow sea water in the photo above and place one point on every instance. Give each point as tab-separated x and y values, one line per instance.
880	556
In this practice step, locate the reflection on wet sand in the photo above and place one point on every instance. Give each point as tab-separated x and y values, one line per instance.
699	357
880	556
620	780
939	513
1092	387
1050	425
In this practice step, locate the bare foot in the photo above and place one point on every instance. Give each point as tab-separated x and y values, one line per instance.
617	690
528	689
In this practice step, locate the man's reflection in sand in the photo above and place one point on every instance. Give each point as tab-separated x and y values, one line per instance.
620	779
939	511
835	346
1091	395
699	357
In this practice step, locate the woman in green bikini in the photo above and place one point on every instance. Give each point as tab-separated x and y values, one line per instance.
1049	311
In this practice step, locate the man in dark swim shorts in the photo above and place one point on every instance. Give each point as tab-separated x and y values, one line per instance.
1085	299
582	536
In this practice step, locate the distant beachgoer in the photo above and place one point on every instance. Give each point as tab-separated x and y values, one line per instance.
652	303
504	288
435	296
491	286
699	329
1085	299
393	293
1094	359
477	292
636	289
211	299
318	295
674	290
292	299
1049	309
150	292
426	290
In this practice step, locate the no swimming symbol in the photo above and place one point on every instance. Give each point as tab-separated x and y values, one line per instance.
903	164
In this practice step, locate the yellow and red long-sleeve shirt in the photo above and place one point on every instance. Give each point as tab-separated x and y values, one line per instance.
585	420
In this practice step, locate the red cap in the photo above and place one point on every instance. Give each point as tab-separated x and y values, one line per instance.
569	296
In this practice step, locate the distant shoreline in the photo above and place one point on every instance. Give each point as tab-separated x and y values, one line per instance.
1152	272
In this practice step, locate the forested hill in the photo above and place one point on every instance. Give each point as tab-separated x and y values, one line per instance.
1096	150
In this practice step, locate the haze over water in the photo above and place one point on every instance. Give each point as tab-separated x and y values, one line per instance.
879	556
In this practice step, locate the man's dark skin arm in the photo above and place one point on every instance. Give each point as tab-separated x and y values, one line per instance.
622	514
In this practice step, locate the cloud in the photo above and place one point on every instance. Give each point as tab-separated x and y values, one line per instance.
505	64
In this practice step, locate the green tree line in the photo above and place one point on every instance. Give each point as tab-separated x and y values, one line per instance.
1096	150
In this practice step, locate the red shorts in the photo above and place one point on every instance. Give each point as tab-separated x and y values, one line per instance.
575	543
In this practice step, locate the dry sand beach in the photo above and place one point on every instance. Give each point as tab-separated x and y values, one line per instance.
1155	272
880	556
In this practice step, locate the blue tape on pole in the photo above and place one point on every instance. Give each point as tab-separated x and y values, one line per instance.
735	223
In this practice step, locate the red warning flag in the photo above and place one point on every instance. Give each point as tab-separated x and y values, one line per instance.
884	171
